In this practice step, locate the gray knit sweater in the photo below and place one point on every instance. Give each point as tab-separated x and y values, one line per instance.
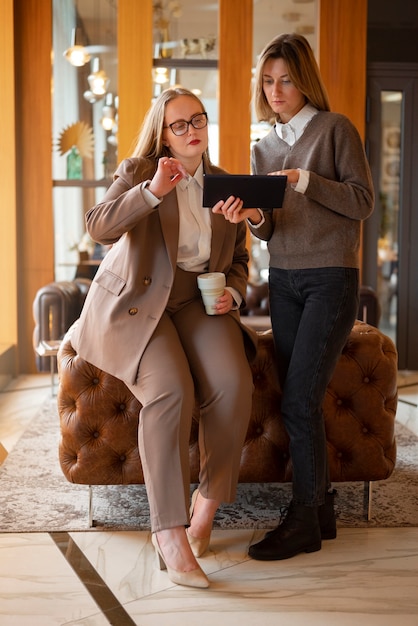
320	228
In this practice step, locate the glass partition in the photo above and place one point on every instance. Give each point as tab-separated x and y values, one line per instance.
84	125
185	51
389	187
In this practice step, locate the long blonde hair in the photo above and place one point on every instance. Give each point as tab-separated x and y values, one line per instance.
149	143
302	69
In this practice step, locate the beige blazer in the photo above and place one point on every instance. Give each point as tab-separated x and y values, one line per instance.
130	291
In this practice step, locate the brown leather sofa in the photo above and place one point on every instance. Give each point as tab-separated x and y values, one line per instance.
99	417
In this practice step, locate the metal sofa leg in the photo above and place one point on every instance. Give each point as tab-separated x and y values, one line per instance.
367	499
91	520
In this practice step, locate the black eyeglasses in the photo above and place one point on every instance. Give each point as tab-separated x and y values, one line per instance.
198	121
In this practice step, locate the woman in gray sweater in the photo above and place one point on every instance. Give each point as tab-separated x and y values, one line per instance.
313	241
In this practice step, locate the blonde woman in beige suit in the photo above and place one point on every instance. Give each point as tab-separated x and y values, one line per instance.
144	322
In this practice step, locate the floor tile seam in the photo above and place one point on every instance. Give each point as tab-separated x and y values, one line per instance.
106	601
408	403
406	385
36	388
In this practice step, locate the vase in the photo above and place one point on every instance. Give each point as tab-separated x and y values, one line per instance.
166	52
74	165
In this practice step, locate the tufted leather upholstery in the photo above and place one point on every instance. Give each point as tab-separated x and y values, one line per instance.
99	417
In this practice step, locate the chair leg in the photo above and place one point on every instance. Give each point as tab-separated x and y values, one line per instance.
91	520
51	363
367	499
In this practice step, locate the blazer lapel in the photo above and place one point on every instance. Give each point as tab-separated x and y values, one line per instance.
169	219
218	235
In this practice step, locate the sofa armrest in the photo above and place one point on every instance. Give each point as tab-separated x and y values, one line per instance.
55	307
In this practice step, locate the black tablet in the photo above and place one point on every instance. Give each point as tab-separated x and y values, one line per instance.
257	191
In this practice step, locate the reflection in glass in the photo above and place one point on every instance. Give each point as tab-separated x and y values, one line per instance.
388	205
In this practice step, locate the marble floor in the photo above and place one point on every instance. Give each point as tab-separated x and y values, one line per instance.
365	577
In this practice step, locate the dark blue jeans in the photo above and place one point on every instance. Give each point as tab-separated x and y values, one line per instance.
312	314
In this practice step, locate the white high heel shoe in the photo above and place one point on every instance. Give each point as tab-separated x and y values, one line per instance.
193	578
199	546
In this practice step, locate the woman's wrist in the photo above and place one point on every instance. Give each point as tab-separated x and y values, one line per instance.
254	217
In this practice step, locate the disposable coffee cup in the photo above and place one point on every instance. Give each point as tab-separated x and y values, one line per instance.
211	285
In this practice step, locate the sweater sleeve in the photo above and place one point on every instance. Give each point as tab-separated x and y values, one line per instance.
265	231
350	191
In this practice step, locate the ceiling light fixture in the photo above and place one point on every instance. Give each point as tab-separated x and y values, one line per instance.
76	54
98	80
91	97
161	75
108	120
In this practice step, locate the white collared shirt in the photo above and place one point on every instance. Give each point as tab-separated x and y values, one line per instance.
195	229
291	132
195	226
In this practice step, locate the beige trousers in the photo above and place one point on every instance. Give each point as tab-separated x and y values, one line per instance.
191	352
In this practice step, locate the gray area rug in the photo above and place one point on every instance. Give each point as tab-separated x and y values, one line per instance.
35	496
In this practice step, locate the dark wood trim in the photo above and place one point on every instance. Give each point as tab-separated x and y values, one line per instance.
235	62
343	56
192	64
34	215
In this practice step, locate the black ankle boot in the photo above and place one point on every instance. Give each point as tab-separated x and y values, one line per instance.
326	517
299	532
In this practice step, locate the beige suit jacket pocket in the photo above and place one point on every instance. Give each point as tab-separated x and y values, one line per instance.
111	282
